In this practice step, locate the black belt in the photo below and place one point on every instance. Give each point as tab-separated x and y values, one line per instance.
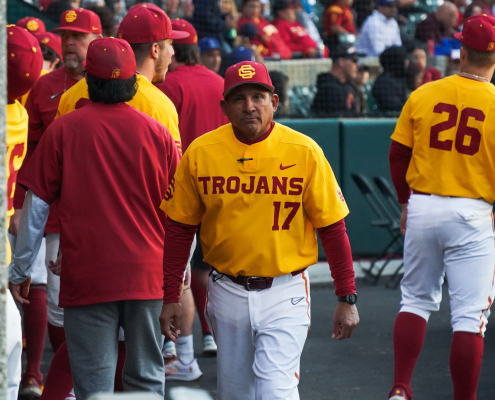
255	282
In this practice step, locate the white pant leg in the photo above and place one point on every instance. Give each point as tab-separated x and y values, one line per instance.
227	313
38	272
260	337
469	260
55	313
14	348
424	272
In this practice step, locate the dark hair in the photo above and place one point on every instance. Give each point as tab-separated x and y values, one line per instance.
50	55
244	2
468	12
279	82
142	50
481	59
187	53
364	68
111	91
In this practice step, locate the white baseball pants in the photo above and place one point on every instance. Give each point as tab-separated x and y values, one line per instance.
14	348
55	313
260	336
452	236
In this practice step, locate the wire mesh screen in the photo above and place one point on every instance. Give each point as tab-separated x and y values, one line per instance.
327	59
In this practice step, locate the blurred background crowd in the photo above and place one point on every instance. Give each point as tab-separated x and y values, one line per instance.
327	58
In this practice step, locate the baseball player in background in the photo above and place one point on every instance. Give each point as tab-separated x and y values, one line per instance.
24	64
260	189
195	91
443	149
112	226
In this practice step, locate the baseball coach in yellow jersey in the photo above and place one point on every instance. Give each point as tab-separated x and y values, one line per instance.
443	149
260	189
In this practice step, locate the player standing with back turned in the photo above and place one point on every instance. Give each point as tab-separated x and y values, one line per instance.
445	141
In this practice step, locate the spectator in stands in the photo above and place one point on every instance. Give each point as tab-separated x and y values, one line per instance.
307	21
390	89
472	9
247	33
280	82
362	89
171	7
419	72
57	8
338	20
461	8
292	31
268	38
438	25
486	6
210	55
336	94
106	17
380	30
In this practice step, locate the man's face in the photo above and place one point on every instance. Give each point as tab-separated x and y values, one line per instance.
164	59
419	57
390	10
289	15
362	78
212	59
74	48
171	6
250	109
350	67
252	9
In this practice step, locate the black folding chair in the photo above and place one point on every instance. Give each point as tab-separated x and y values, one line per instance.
384	219
390	196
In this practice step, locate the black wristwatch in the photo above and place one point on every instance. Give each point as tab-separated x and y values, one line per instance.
349	299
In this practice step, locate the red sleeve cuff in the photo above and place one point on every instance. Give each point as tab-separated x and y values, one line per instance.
337	248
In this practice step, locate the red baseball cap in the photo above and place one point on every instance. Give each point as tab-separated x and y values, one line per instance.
24	61
478	33
110	58
184	26
145	24
32	24
246	72
79	20
50	40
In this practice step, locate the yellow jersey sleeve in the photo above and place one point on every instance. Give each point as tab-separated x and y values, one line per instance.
69	100
404	130
323	200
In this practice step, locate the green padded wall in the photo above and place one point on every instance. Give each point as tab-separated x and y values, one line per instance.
365	146
325	132
19	9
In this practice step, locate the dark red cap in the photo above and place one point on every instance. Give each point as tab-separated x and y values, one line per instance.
110	58
79	20
32	24
50	40
145	24
184	26
24	61
246	72
478	33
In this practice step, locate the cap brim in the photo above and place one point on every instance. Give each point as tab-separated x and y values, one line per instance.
458	35
74	29
229	90
179	35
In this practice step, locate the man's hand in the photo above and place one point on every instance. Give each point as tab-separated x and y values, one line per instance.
171	320
403	218
56	267
345	321
21	291
15	220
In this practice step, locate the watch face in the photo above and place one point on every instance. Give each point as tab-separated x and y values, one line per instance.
352	298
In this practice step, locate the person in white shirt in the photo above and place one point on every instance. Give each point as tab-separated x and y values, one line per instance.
380	30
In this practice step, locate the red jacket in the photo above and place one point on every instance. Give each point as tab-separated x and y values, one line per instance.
268	40
338	15
295	35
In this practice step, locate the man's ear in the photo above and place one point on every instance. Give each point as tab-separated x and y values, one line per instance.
275	100
154	51
223	106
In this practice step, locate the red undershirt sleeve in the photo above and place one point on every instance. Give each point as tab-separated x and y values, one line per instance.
178	241
338	251
399	158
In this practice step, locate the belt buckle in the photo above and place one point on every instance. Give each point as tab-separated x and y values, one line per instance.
248	283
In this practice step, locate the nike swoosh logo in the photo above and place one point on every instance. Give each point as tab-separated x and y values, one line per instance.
288	166
296	300
95	29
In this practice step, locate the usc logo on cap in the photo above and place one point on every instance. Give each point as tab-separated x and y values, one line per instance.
70	16
120	33
247	72
45	40
115	73
32	25
491	46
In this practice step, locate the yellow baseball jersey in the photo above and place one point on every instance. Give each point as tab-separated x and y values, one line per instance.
24	98
450	126
259	204
148	99
17	133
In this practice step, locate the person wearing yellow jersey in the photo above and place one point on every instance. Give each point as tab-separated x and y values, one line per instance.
24	63
147	29
442	149
259	189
